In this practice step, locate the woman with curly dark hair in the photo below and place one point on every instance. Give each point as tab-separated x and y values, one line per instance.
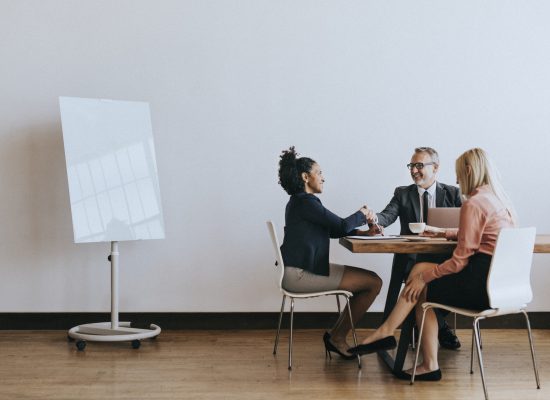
308	229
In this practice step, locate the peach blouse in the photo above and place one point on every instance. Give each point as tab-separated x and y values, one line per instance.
481	218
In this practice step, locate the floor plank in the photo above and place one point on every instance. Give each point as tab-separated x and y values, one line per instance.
240	365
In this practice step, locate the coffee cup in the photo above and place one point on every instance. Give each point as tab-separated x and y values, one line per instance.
417	227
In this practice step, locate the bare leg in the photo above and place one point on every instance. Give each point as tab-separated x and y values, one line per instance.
365	286
400	311
429	338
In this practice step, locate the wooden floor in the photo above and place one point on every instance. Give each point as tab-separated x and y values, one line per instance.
240	365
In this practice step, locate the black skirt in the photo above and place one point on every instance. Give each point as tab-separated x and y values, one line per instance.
467	288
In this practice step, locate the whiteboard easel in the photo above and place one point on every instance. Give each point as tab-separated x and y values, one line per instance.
114	192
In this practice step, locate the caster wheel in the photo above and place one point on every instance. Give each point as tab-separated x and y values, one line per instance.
70	339
81	345
135	344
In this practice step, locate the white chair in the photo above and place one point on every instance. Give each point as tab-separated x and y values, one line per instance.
509	289
281	265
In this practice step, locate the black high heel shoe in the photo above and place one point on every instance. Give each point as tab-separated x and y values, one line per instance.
386	343
426	376
331	347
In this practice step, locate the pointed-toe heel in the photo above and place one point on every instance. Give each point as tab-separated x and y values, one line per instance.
431	376
329	347
387	343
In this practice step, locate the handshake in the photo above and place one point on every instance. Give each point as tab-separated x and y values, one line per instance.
372	220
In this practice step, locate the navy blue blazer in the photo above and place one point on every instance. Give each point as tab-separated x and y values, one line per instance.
308	229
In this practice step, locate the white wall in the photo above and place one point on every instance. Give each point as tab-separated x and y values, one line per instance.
355	85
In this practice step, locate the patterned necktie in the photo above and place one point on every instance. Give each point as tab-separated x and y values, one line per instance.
425	206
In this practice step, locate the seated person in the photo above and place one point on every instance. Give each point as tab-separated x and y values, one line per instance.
305	249
460	281
411	204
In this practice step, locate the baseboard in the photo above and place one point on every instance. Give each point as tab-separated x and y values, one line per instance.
236	320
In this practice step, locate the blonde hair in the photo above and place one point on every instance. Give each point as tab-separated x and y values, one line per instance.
474	169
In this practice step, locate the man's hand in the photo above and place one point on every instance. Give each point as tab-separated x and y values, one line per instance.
371	216
375	230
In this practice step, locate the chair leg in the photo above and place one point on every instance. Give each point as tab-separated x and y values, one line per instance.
413	341
454	328
479	356
291	332
532	348
327	353
352	331
418	345
472	348
472	352
279	326
479	337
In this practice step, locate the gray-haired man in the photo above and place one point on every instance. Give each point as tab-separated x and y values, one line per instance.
411	204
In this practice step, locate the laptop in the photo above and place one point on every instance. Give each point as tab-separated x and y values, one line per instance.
444	217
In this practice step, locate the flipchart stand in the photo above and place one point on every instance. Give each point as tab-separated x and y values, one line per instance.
113	331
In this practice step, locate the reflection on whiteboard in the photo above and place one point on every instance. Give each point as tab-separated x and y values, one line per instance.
112	171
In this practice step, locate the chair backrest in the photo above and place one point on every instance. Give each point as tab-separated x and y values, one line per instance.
509	281
277	249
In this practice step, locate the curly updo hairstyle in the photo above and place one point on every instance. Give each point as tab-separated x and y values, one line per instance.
290	171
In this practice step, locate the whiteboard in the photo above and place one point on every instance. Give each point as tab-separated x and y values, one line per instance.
111	170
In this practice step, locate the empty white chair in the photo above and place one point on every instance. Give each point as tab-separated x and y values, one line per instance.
281	265
509	289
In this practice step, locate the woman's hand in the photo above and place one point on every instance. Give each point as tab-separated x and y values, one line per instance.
434	232
413	288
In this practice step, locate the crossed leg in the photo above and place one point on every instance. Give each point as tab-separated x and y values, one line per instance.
401	311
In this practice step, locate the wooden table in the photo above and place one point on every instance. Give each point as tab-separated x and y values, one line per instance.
432	246
401	246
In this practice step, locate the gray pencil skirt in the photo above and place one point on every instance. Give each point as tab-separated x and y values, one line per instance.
301	281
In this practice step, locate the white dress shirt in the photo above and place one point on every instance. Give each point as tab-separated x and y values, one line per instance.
431	199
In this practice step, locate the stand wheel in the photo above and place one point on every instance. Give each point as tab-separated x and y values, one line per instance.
135	344
70	339
81	345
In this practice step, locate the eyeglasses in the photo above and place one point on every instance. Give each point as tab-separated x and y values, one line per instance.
419	165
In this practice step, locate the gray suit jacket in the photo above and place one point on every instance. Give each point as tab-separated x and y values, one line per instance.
405	204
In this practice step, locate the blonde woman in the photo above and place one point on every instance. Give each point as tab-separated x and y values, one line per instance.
460	281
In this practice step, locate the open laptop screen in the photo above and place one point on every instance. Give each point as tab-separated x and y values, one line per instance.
444	217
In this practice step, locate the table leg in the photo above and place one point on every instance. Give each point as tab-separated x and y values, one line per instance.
400	265
398	274
396	364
